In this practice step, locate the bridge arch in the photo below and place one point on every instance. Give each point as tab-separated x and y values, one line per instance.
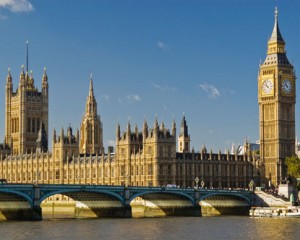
163	202
241	196
65	192
25	196
140	194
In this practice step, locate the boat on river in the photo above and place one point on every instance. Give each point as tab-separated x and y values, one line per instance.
275	212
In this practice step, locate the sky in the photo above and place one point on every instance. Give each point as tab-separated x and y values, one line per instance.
149	58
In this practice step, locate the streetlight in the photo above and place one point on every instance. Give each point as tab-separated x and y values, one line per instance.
77	178
127	180
197	182
251	188
202	184
37	175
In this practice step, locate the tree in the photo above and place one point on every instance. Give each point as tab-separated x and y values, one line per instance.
293	164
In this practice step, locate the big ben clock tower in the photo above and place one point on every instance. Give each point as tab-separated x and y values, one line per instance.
276	99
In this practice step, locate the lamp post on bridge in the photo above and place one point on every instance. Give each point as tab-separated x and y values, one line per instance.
37	175
78	179
251	188
202	184
197	182
126	180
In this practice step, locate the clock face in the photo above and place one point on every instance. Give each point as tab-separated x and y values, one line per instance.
287	86
267	86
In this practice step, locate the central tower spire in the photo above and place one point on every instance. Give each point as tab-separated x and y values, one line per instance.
91	92
91	136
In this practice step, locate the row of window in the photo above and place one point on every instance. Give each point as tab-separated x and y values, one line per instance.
33	124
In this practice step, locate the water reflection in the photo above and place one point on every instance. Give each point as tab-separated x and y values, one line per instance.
223	227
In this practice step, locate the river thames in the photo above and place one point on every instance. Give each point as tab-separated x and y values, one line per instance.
223	227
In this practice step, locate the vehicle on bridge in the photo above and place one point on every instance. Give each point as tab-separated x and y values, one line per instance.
3	181
171	186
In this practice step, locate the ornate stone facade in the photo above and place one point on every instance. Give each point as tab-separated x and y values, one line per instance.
276	98
26	110
147	157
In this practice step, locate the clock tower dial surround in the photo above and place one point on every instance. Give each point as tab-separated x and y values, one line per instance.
276	100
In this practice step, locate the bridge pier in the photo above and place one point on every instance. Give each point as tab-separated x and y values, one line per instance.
111	212
221	210
194	211
29	214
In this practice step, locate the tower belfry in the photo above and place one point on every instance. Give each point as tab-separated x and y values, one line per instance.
276	99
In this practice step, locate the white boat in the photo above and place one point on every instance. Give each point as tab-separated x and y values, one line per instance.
275	212
291	212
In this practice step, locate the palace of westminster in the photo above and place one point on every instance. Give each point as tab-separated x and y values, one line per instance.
154	155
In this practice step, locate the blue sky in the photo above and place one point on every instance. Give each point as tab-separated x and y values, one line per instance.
149	58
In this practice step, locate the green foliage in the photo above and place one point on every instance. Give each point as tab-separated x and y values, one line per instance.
293	164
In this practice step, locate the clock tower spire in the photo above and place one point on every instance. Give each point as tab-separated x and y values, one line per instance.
276	99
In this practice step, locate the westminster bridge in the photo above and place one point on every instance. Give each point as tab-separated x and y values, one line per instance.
23	201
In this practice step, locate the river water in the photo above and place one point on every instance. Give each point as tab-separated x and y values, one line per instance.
223	227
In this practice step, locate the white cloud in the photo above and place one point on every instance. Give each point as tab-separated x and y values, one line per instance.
2	17
162	45
129	99
111	143
163	88
134	98
105	97
17	5
121	101
211	90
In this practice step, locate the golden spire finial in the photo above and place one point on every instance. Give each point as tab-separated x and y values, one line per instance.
276	13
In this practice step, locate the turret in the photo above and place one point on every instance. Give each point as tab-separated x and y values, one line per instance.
156	128
184	137
118	133
29	81
22	82
9	84
173	128
128	131
62	135
54	136
42	140
45	82
136	131
69	134
145	130
162	126
8	122
77	135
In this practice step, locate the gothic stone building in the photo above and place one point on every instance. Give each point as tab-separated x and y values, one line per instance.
141	158
147	157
